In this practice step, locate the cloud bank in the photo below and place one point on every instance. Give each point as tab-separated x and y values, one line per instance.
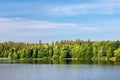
94	8
13	24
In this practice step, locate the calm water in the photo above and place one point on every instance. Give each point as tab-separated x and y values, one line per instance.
63	71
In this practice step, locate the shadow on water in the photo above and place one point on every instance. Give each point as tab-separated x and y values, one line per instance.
47	61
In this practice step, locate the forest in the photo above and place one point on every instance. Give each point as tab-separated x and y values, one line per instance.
64	49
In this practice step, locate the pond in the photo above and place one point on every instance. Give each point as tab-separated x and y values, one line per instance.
66	70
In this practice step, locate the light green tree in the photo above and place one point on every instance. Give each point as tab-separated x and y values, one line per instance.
117	53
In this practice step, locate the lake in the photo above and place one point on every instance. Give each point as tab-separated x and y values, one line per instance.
59	70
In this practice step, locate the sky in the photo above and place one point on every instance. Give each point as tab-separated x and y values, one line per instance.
55	20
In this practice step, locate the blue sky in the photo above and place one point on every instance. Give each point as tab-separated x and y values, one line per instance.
52	20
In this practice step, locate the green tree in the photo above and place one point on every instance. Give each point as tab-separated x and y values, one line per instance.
101	52
117	53
109	52
89	53
5	54
22	53
65	52
10	55
95	51
56	52
35	53
14	56
40	54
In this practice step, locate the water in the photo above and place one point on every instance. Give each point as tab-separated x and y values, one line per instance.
63	71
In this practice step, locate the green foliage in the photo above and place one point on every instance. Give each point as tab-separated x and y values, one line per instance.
14	56
64	49
5	54
101	52
34	55
21	53
117	53
40	54
65	52
10	55
56	52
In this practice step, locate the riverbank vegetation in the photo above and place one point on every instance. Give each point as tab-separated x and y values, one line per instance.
64	49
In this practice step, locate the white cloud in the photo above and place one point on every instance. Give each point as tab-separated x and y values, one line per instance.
110	1
13	24
94	7
98	7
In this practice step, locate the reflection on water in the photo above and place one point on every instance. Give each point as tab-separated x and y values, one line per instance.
53	70
47	61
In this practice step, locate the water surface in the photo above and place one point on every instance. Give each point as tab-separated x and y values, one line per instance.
83	71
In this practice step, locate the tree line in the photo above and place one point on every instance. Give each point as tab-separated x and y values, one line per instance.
78	49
